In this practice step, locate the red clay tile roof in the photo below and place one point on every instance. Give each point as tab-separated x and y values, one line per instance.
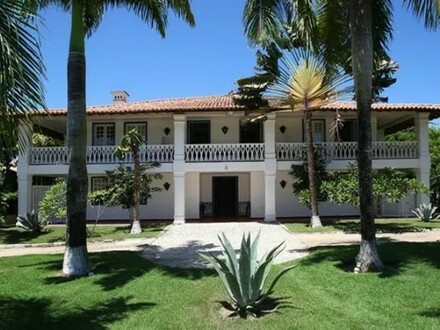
226	103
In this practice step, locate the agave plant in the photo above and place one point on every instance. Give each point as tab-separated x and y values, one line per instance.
244	276
31	222
425	212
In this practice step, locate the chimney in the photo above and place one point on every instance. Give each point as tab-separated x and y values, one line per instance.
120	97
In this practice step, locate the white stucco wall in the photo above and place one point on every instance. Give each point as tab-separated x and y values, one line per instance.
192	195
257	194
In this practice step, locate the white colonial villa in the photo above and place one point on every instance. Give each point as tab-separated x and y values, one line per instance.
213	165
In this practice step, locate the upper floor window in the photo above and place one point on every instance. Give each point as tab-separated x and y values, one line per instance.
141	128
198	132
318	130
349	131
103	134
251	132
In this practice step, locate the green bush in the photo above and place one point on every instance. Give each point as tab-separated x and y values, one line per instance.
245	276
54	203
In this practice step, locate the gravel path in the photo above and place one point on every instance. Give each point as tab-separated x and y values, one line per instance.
180	244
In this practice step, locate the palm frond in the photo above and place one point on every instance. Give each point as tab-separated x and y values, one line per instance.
21	71
261	18
428	10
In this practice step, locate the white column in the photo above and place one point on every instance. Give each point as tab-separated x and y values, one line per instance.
423	171
270	163
24	179
179	169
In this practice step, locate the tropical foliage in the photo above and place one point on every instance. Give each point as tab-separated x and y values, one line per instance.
120	187
31	221
299	174
426	212
391	184
54	204
245	276
21	70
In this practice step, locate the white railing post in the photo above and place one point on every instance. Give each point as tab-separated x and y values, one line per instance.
423	172
270	169
23	177
179	168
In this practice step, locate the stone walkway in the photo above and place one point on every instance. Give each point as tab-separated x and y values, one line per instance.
179	245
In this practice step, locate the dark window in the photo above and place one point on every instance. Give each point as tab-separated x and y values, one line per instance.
349	131
199	132
103	134
98	183
251	132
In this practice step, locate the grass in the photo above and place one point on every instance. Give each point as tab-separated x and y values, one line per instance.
128	292
56	233
353	226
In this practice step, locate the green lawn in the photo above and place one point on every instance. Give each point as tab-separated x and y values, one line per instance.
352	226
56	233
128	292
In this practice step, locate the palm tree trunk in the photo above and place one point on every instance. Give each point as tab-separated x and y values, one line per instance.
315	220
362	61
136	227
76	261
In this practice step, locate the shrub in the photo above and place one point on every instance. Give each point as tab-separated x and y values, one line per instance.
245	276
425	212
54	204
31	222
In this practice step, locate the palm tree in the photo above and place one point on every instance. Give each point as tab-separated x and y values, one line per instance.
322	26
303	85
21	71
131	142
85	18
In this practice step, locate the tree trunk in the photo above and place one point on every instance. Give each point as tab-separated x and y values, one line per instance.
76	262
315	220
362	61
136	226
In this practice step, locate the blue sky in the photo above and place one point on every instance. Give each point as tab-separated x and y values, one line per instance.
125	54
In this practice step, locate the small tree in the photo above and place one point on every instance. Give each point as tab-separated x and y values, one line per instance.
121	186
300	175
388	183
132	142
54	203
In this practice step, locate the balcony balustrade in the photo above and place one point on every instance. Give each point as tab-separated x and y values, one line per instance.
236	152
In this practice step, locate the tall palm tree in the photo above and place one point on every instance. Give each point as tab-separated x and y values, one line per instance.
131	142
21	71
322	25
304	86
85	18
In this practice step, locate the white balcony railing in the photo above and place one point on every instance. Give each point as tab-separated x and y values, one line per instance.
348	150
100	155
224	152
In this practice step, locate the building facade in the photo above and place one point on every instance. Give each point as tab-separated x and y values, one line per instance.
215	164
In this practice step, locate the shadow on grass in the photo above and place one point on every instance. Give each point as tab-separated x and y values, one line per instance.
15	235
434	312
42	313
271	305
396	256
113	270
353	227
